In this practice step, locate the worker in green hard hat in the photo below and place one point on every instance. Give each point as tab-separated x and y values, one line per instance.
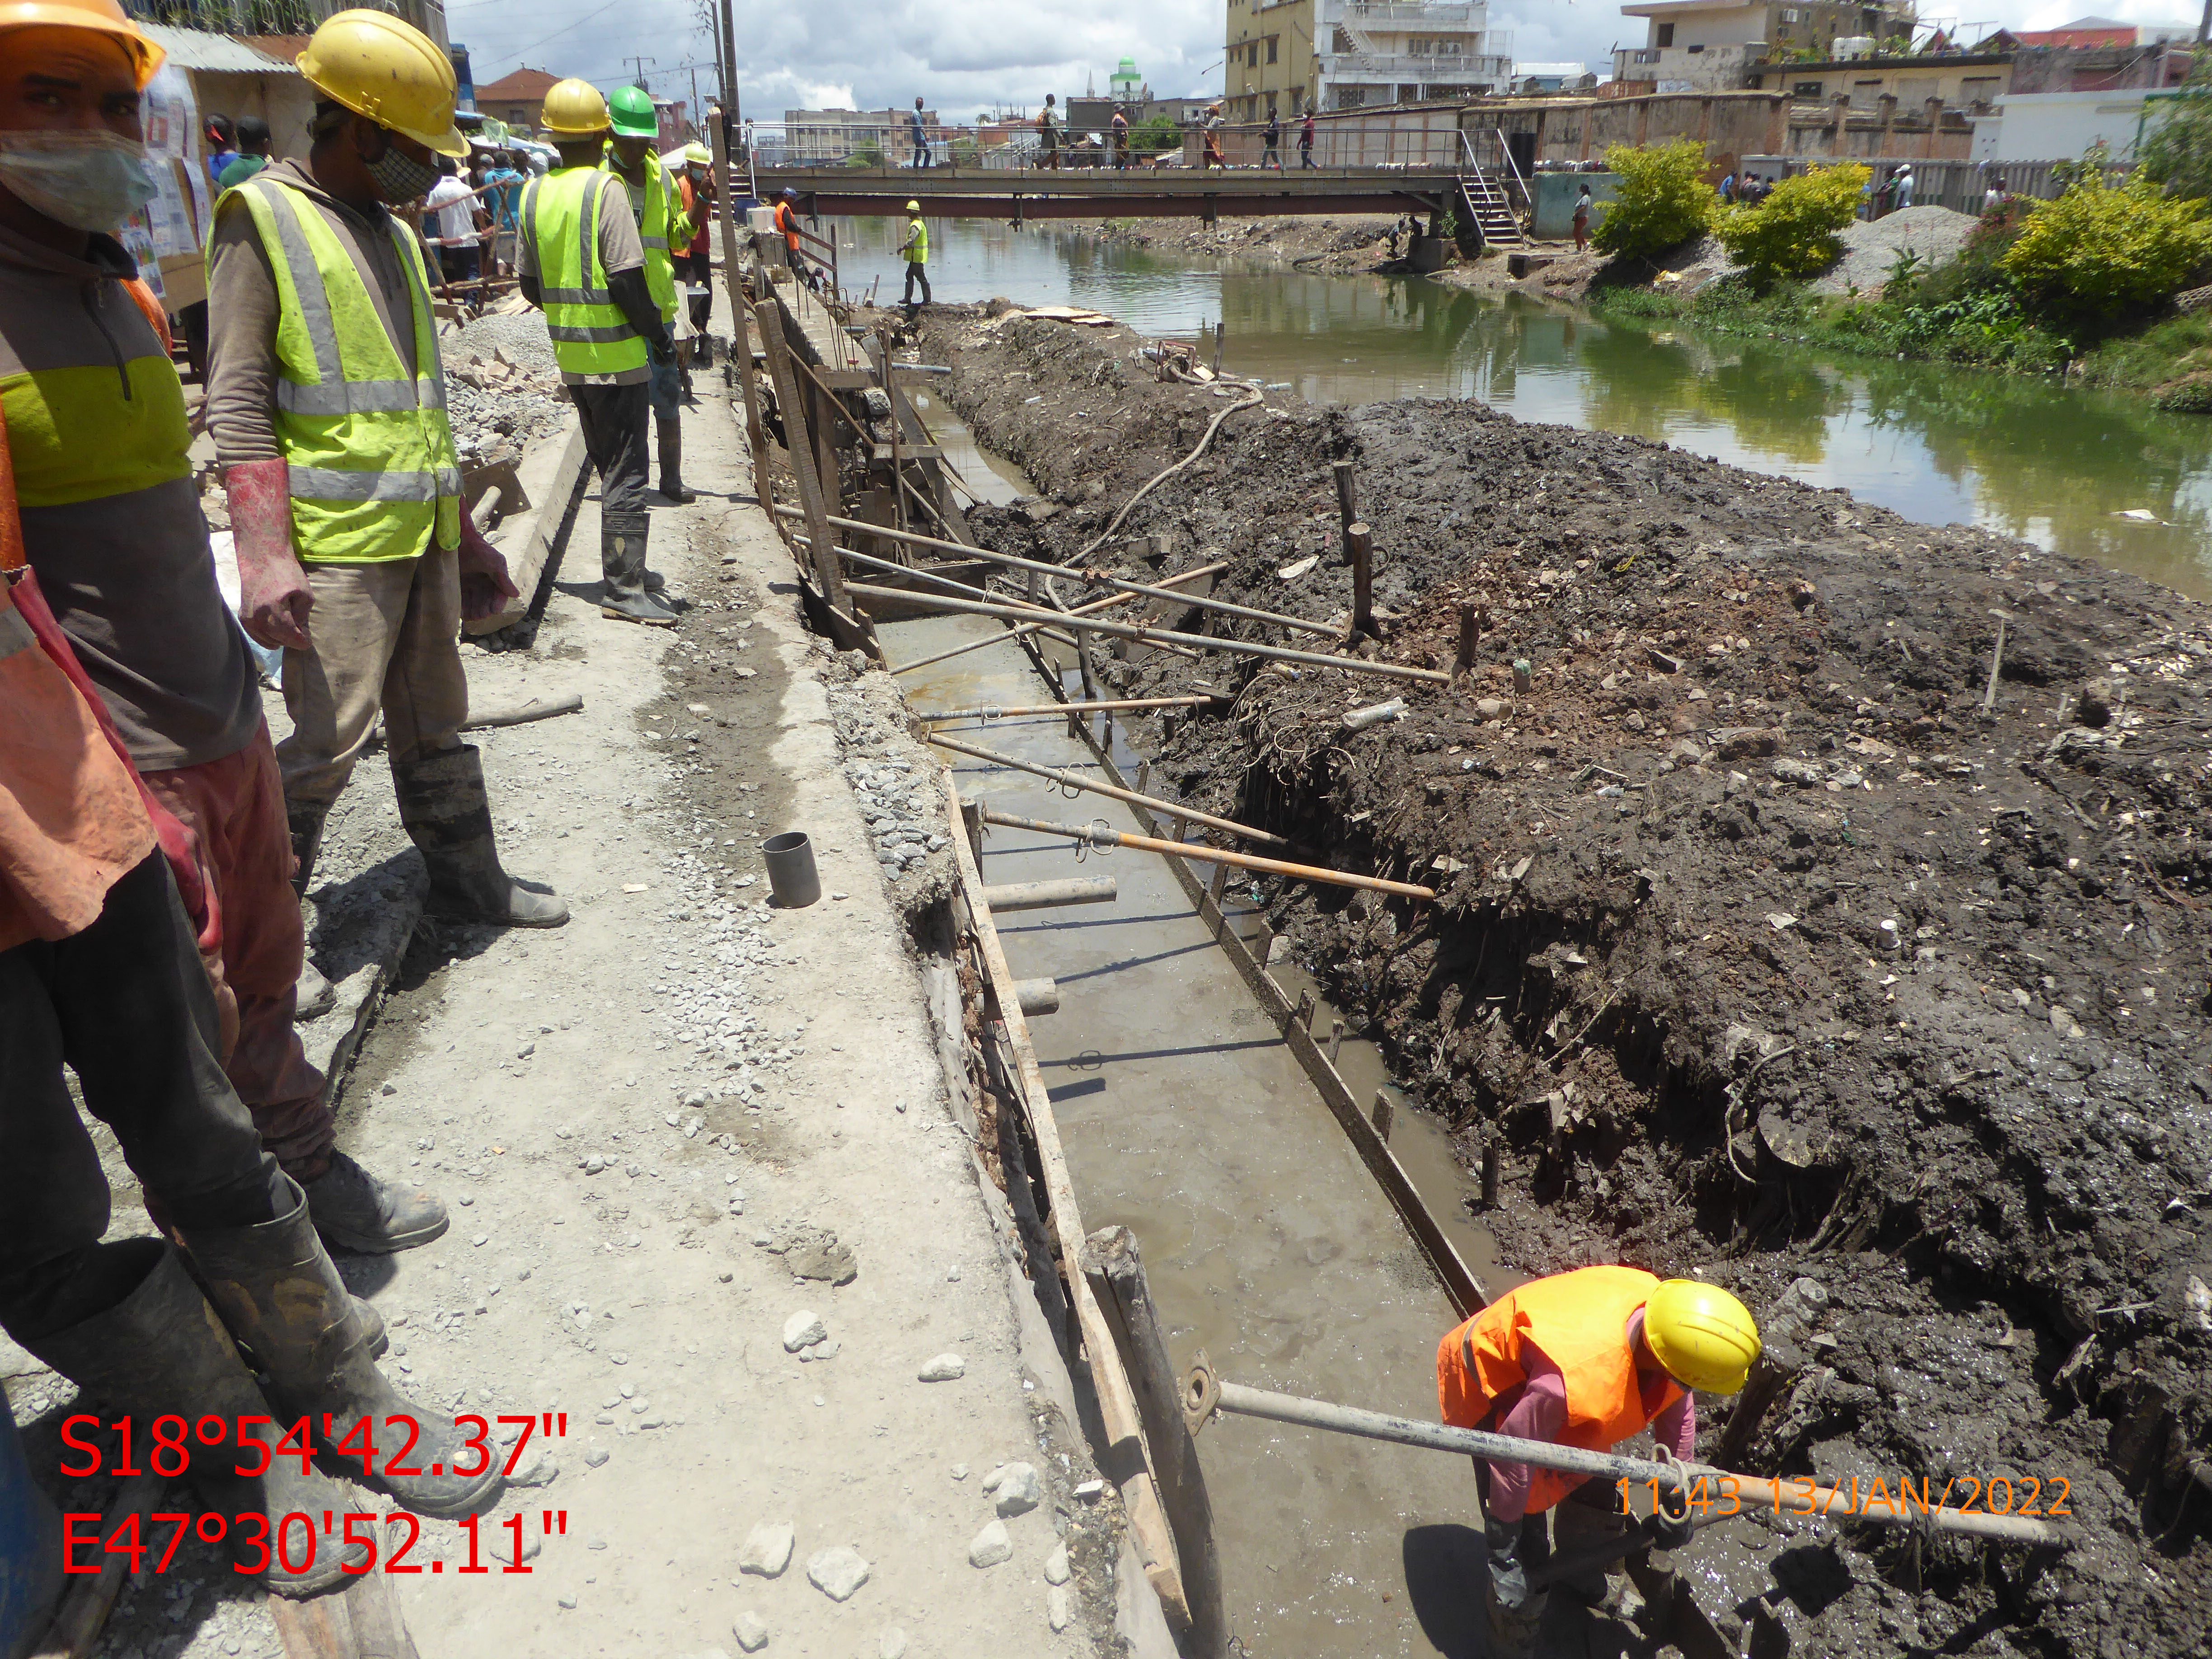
653	198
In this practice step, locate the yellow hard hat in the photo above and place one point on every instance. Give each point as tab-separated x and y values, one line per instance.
698	156
576	109
390	71
1704	1337
914	207
106	17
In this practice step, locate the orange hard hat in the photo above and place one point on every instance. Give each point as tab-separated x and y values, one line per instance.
104	16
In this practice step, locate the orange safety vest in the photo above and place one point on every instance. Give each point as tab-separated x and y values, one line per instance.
1579	1320
787	222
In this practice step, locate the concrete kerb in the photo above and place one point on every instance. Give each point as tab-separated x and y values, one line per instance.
550	475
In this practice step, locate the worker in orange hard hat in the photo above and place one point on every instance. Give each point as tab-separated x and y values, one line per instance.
1584	1358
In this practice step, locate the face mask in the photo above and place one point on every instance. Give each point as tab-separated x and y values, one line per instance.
399	178
86	180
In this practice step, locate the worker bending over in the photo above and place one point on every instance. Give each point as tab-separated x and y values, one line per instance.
1585	1359
916	249
658	210
787	224
108	515
326	400
582	260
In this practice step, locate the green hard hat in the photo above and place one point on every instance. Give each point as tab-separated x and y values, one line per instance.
632	110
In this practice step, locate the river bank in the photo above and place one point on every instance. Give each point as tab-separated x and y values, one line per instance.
1776	938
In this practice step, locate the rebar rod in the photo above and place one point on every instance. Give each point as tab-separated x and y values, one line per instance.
1032	628
1099	835
992	712
1077	780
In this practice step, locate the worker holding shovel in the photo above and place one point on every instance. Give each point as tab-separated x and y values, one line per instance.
1586	1358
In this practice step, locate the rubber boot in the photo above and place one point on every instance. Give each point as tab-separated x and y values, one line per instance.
354	1210
162	1351
621	564
277	1291
671	434
443	808
315	996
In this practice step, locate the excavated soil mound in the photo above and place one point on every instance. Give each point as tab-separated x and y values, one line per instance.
1770	942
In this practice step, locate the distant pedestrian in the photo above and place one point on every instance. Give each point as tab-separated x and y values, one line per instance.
1212	125
1047	124
921	135
454	225
503	195
1306	140
1275	137
1905	186
1581	219
1728	188
253	146
222	146
916	249
1120	134
1994	198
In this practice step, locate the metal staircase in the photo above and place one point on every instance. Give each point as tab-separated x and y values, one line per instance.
1486	205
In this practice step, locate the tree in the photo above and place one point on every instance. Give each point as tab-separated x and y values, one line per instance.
2102	248
1159	133
1662	199
2177	153
1793	232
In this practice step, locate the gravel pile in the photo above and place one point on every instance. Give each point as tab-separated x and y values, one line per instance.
503	384
1935	233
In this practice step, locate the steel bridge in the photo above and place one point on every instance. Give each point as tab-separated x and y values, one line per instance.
1106	193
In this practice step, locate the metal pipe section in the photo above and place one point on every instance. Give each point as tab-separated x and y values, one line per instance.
1791	1497
1164	636
1045	895
1099	835
1077	780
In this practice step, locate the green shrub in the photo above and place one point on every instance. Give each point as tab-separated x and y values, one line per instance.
1661	202
2190	396
1793	232
2177	153
2100	249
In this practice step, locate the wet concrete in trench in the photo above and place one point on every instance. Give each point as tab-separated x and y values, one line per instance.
1266	1242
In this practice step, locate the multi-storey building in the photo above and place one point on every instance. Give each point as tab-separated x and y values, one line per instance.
1288	55
1713	45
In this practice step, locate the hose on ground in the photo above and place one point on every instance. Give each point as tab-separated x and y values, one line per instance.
1254	396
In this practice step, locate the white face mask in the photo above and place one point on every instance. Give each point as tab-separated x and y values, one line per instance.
86	180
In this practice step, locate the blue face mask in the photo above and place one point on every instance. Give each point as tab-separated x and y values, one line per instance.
86	180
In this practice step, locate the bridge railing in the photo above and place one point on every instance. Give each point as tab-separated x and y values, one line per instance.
1411	139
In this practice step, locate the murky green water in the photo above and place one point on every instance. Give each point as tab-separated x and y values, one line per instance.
2059	467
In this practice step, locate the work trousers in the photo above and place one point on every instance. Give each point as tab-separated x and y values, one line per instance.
382	636
916	272
126	1005
697	271
614	422
233	812
1305	158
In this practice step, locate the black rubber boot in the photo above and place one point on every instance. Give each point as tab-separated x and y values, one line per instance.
161	1352
671	434
443	809
315	996
278	1291
622	566
354	1210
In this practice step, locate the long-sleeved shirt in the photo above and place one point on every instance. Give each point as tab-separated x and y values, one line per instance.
243	307
97	438
1539	1412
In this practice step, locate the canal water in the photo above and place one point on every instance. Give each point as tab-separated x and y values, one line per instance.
2098	475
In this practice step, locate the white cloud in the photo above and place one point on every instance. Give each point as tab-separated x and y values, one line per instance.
964	56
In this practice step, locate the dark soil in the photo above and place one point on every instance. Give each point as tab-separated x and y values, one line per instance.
1762	948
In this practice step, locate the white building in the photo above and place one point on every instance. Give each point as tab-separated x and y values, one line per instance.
1711	45
1287	55
2060	126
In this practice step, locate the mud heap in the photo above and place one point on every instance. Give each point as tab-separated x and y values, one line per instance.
1770	941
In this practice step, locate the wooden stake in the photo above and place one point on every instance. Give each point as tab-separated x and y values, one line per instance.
769	315
1335	1040
1469	632
1360	550
1489	1174
1383	1115
1220	345
741	347
1347	498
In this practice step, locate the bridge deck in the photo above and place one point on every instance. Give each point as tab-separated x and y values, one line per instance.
1103	193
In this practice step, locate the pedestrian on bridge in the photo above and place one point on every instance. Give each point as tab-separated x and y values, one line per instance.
1274	136
1306	142
921	135
1212	125
916	249
1047	124
1585	1359
1120	137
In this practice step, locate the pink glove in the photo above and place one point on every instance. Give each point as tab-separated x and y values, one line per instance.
485	585
273	596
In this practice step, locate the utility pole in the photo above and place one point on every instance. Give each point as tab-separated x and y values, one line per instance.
640	63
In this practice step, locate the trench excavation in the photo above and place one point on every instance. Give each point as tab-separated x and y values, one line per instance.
1696	992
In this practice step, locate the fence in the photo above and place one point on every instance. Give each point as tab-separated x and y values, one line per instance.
1416	136
1962	186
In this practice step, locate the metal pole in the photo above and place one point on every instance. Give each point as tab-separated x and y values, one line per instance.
1032	628
1205	1394
1077	780
1099	835
993	711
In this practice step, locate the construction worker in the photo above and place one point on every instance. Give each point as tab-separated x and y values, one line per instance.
1584	1358
786	222
658	210
99	968
916	249
582	260
110	522
696	265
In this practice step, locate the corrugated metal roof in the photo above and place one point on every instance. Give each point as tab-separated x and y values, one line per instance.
196	49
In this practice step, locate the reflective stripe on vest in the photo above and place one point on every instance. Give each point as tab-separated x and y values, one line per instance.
1579	1320
918	242
374	476
652	216
561	228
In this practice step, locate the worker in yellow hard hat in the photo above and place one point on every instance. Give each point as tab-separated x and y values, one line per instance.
916	249
1584	1358
695	263
582	260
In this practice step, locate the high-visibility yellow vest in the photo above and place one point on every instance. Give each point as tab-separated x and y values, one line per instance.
374	476
660	223
561	227
917	250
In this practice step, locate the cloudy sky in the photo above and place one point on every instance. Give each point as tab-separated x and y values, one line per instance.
966	56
